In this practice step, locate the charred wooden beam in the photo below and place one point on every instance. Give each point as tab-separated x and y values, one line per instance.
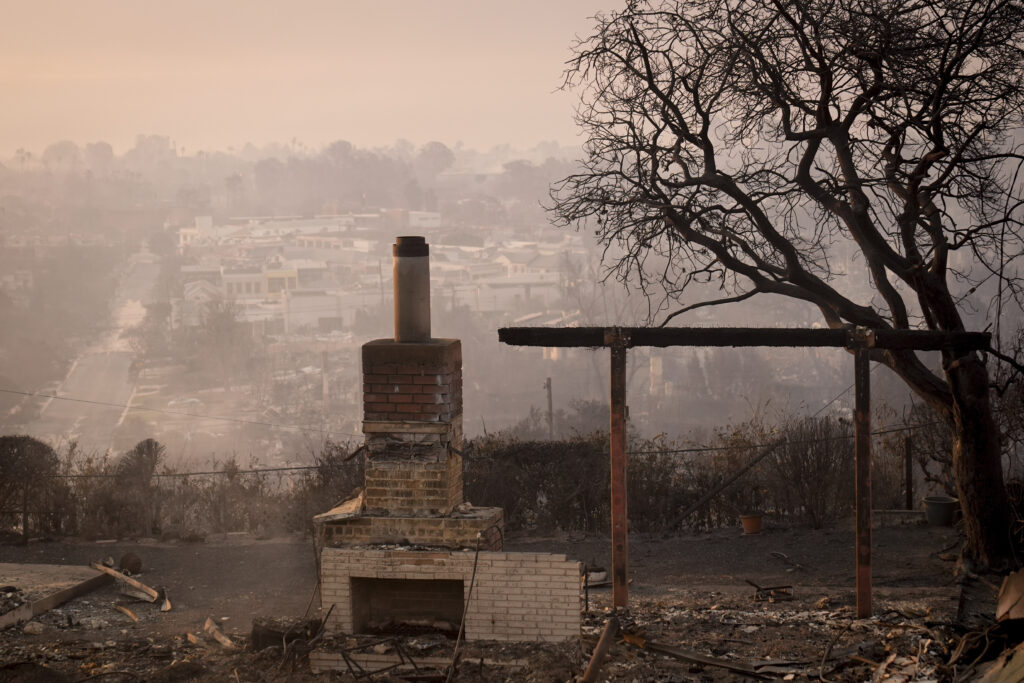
862	485
617	465
611	629
595	337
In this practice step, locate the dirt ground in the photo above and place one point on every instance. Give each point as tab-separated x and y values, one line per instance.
688	592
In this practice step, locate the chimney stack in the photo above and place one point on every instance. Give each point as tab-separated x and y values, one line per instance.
394	556
412	289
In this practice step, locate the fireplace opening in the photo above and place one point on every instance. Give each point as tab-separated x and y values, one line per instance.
406	606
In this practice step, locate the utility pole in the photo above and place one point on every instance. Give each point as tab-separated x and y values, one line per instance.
325	395
551	412
323	376
908	464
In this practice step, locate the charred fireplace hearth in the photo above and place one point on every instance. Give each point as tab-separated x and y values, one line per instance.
400	555
407	606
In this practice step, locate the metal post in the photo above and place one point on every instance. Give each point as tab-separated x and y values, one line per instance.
620	534
908	457
324	392
862	444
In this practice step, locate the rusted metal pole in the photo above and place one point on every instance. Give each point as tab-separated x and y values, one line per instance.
908	460
862	444
617	449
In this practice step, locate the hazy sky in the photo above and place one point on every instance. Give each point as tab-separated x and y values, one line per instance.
217	73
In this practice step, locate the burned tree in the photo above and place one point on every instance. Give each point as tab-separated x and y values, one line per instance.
758	145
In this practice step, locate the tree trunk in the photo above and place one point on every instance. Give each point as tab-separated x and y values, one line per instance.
977	463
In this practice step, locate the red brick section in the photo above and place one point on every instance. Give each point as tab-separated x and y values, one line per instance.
411	467
412	381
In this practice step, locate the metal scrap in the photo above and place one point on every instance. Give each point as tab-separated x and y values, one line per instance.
771	593
357	670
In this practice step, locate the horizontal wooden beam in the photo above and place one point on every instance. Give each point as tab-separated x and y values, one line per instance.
594	337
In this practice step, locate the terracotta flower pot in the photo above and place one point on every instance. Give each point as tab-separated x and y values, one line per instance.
751	523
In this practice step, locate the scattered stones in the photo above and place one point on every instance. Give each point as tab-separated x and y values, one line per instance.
34	628
93	623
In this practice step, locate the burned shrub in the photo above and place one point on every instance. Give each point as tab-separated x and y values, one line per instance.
704	469
134	474
336	476
541	485
656	484
30	491
810	474
120	497
933	448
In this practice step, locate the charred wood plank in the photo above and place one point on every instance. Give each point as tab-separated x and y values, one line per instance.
595	337
611	629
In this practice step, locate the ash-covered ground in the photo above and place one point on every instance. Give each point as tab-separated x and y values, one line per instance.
689	596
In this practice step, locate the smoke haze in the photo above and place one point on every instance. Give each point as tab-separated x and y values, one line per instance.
219	75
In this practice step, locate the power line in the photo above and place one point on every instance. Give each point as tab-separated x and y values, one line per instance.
262	470
709	449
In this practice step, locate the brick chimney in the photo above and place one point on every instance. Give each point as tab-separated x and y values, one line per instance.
396	553
412	402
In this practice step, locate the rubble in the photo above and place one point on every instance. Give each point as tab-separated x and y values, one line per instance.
135	588
34	628
52	585
214	631
712	615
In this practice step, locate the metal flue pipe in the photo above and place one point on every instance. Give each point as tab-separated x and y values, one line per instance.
412	289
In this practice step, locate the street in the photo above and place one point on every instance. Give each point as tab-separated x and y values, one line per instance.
91	399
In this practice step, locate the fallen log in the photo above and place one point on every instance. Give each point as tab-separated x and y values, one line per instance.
135	588
151	594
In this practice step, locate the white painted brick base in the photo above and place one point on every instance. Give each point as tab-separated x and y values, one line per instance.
516	596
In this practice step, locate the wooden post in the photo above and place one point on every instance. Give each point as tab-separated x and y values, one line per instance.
908	457
859	341
862	445
617	449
